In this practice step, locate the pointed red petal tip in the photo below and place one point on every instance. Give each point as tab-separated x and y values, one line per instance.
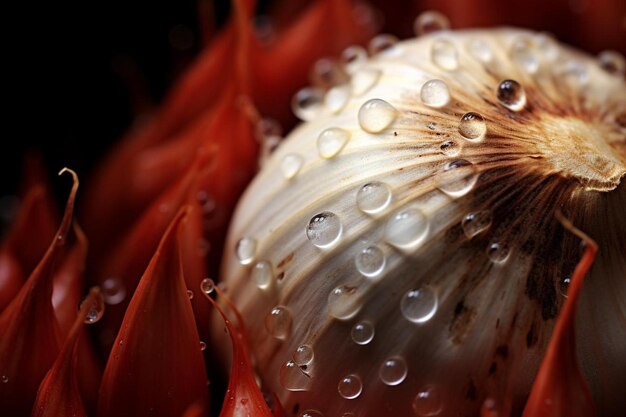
59	395
559	389
243	396
29	334
156	366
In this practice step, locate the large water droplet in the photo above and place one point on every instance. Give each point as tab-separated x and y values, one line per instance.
331	141
472	126
370	261
435	93
480	50
246	250
427	403
337	97
376	115
476	222
612	62
430	21
324	229
303	355
344	302
407	228
307	103
419	305
262	274
207	286
350	387
523	55
498	252
457	178
291	164
511	95
393	371
95	309
450	148
353	57
362	333
444	55
113	291
363	80
373	197
278	322
293	378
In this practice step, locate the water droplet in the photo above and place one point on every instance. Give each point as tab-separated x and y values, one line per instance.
113	291
457	178
370	261
331	141
498	252
362	333
393	371
574	73
262	274
476	222
202	346
450	148
95	310
307	103
293	378
472	126
419	305
278	322
324	229
246	250
353	57
435	93
564	286
480	50
612	62
444	55
291	165
265	128
207	286
4	379
430	21
511	95
190	294
407	228
343	302
373	197
427	403
337	97
382	43
548	47
350	387
363	80
376	115
303	355
311	413
522	54
327	73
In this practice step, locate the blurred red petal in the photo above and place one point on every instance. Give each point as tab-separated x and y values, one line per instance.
156	366
29	333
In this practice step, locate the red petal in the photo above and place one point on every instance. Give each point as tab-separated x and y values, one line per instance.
29	334
156	366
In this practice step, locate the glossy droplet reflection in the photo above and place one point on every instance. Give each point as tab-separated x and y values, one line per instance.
511	95
291	164
427	403
393	371
207	286
293	378
480	50
262	274
450	148
362	333
246	250
350	387
4	379
353	57
343	302
324	229
407	228
457	178
307	103
373	197
190	294
278	322
382	43
419	305
444	55
363	80
523	54
430	21
564	286
472	126
435	93
370	261
498	252
612	62
113	291
476	222
337	97
311	413
303	355
376	115
331	141
95	309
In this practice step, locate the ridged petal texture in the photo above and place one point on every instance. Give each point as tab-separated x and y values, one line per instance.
399	253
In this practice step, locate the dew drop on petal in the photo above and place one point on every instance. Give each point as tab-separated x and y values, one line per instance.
476	222
548	47
262	274
113	291
293	378
472	126
350	387
450	148
430	21
337	97
382	43
370	261
564	285
307	103
331	141
373	197
363	80
457	178
95	310
303	355
511	95
480	50
278	322
291	164
324	229
326	72
523	54
202	346
207	286
498	252
376	115
435	93
246	250
407	228
353	57
427	403
4	379
344	302
362	333
190	294
393	371
444	55
612	62
574	73
419	305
